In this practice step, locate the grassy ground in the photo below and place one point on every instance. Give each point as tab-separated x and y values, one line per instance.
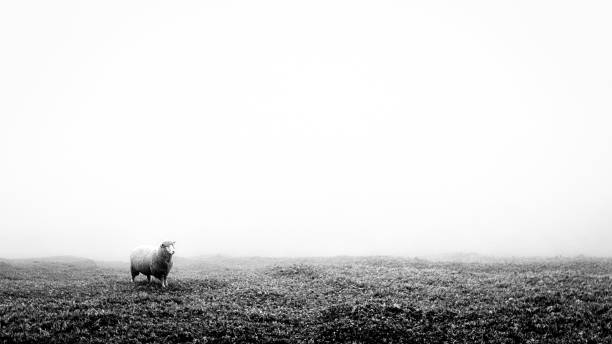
340	300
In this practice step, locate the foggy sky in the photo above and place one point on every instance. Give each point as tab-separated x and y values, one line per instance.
305	128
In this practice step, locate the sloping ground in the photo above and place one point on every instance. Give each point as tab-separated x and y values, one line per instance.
361	300
60	267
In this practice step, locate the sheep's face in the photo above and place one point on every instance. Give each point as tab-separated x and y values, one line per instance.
168	246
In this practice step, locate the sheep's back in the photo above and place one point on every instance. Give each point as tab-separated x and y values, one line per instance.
141	258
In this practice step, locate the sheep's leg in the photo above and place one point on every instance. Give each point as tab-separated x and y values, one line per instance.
134	274
164	282
149	279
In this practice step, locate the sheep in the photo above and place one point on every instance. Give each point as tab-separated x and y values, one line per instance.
151	260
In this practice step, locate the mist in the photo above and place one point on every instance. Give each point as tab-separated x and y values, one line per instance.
305	129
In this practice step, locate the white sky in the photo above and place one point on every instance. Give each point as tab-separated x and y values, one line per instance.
306	128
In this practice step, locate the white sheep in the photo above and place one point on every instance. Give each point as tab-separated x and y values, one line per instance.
151	260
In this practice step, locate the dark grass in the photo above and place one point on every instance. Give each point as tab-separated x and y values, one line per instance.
344	300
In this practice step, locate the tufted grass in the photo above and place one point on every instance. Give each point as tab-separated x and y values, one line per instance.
335	300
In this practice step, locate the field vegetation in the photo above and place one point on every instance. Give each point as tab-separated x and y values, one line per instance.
332	300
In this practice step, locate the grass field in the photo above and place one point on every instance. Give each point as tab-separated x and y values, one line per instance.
336	300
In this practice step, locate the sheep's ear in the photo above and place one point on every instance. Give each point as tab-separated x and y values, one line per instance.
174	242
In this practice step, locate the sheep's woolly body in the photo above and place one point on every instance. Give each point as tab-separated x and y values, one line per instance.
152	261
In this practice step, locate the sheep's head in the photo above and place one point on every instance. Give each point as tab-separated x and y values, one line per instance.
168	246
